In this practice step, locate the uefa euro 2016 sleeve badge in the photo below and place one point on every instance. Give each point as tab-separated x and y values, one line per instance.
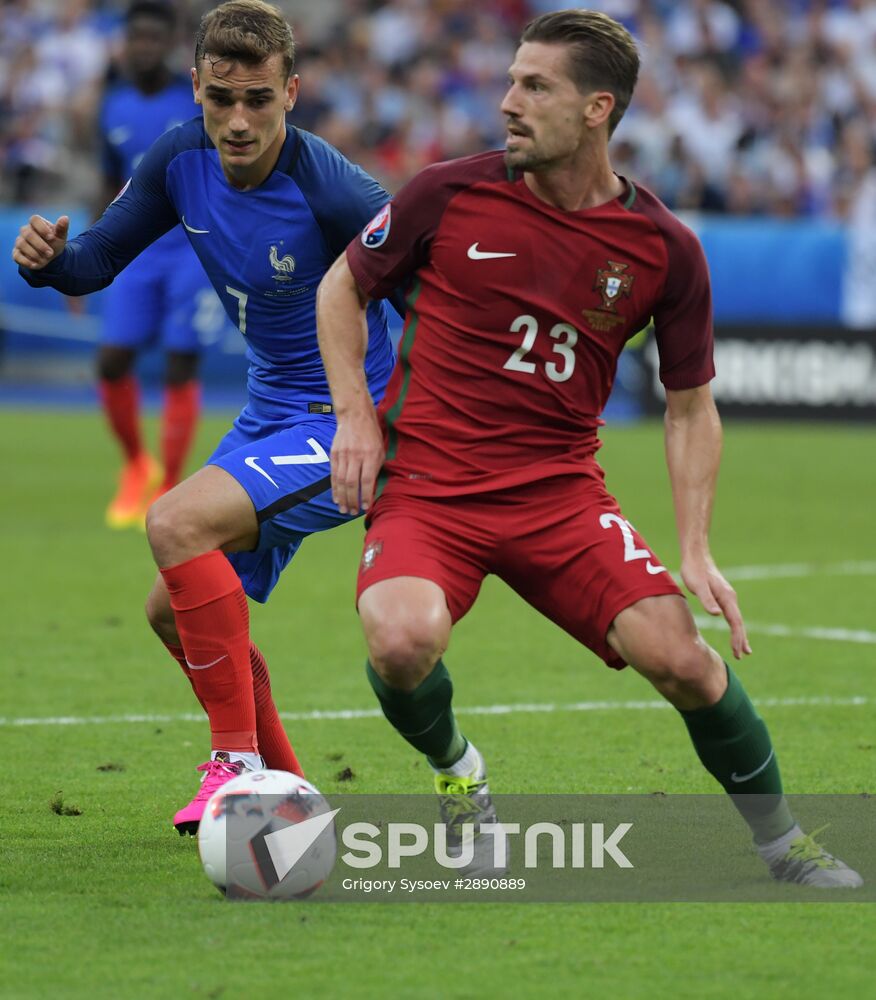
375	233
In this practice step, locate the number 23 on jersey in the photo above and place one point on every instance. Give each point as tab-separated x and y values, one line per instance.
565	338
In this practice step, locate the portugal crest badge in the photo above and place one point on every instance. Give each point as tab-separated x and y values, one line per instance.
371	552
612	284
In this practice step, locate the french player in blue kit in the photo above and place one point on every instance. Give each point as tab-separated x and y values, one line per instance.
164	295
267	208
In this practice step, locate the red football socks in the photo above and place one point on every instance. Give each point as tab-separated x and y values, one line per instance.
179	655
120	399
212	619
274	745
182	404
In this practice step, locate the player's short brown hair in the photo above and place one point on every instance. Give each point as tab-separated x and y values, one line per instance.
602	53
247	31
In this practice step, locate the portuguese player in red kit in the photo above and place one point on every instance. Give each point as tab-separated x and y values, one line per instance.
526	272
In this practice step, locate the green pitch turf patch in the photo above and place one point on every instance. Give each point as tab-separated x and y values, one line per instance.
100	898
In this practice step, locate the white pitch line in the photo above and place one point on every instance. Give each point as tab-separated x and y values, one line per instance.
787	571
765	572
857	635
375	713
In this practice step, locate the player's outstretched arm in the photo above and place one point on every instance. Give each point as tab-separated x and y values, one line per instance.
693	455
40	241
357	451
142	212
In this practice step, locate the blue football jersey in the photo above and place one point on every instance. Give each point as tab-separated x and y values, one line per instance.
130	121
265	250
159	294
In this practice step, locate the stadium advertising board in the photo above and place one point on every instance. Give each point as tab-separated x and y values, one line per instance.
815	372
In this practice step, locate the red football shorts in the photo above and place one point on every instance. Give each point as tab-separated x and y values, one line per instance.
561	543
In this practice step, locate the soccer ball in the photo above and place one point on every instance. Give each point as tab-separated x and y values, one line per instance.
267	835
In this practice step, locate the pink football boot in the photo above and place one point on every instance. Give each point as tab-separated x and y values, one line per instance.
216	773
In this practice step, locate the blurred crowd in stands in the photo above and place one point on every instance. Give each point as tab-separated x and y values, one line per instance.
747	107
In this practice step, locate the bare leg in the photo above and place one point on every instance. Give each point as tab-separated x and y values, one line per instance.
407	627
210	510
199	610
657	636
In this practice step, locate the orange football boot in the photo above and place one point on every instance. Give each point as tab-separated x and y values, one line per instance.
138	480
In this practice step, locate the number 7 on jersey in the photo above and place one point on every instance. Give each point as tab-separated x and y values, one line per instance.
242	298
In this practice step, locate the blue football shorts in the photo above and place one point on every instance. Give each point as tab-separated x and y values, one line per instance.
164	297
283	465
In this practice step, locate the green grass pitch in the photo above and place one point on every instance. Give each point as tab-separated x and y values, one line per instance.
111	903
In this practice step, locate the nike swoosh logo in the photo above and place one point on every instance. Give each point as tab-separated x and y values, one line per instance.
745	777
203	666
652	569
192	229
475	254
252	462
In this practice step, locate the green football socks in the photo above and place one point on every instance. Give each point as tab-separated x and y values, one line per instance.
734	745
424	716
730	738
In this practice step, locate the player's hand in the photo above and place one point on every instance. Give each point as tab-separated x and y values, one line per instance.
356	458
40	241
703	579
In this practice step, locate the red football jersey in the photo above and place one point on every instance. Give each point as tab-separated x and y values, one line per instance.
516	315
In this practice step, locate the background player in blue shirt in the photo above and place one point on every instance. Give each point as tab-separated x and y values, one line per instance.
165	293
267	208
